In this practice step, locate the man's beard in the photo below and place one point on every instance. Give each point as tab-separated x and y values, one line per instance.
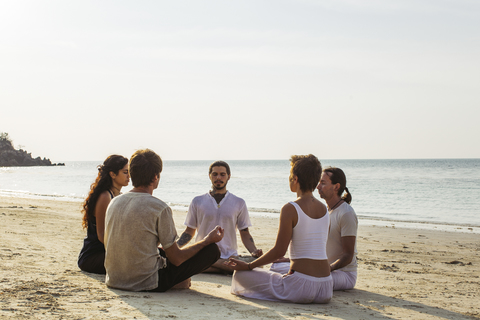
215	188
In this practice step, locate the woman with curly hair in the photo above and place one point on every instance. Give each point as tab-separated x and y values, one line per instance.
112	176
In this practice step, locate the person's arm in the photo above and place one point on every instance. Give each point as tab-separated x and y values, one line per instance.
100	211
186	236
177	255
248	242
288	216
348	250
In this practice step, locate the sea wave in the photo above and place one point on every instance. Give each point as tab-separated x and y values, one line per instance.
32	195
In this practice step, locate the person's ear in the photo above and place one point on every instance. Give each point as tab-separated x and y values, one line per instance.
336	187
294	179
155	178
112	175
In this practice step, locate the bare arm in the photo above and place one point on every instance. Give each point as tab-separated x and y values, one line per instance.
348	247
186	236
248	242
288	216
100	211
177	255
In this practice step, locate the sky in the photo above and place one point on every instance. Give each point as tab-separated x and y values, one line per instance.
206	80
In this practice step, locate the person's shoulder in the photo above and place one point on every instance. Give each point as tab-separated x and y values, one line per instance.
105	196
144	198
347	209
288	208
347	215
289	212
158	202
231	196
201	197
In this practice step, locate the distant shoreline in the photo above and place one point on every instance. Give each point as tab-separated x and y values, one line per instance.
269	213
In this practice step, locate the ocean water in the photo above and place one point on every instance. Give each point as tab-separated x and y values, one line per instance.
417	192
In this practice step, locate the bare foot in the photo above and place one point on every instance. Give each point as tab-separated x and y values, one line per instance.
185	284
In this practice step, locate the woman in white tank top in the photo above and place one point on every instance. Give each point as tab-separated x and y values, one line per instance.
304	227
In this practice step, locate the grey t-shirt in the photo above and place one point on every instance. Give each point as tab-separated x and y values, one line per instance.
135	225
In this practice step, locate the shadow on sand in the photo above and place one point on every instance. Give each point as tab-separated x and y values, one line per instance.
213	300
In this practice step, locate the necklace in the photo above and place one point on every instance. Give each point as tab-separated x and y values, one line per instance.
335	205
115	189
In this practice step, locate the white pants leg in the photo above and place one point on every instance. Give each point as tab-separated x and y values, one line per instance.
280	267
268	285
343	280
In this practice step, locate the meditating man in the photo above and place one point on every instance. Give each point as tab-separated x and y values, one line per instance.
220	207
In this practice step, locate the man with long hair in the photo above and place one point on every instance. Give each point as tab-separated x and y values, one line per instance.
341	244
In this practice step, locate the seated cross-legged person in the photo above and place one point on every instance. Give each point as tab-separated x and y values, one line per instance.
137	223
304	227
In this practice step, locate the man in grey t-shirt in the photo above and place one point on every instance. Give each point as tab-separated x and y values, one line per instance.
137	223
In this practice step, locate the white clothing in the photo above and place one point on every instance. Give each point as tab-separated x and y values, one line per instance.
343	223
343	280
135	225
280	267
309	236
296	287
204	214
268	285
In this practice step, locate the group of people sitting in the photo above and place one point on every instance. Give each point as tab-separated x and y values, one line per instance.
132	237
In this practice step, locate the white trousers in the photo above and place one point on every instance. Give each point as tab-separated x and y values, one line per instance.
342	280
273	286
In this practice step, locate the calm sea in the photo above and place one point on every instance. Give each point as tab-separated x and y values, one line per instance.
418	192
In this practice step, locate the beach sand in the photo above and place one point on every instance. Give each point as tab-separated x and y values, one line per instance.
403	274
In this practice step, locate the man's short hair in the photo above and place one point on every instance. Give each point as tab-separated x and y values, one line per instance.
144	166
219	163
308	171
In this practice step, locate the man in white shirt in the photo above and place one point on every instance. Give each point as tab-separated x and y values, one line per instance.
341	244
220	207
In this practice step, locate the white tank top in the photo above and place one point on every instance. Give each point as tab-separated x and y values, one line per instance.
309	238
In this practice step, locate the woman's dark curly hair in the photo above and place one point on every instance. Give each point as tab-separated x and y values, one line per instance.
113	163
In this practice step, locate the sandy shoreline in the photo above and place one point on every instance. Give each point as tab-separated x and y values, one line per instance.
403	274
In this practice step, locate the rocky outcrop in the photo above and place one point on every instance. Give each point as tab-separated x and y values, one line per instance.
10	157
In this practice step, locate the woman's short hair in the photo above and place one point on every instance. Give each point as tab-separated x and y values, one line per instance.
308	170
144	166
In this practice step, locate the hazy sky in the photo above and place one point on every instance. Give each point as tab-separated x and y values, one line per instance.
80	80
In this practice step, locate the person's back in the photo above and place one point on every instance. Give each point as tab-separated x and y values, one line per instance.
135	223
309	238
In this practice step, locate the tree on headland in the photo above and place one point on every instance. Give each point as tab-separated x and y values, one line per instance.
9	157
